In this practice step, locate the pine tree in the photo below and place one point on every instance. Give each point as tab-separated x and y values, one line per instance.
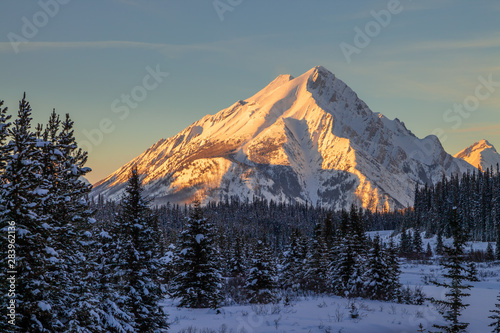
456	274
67	208
428	251
198	280
490	255
496	317
346	271
497	245
393	271
293	266
317	262
439	244
417	244
405	246
143	251
261	276
377	278
24	192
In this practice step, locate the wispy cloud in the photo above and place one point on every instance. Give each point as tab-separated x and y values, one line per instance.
484	129
172	49
407	5
485	42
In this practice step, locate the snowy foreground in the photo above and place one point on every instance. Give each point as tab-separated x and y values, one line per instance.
332	314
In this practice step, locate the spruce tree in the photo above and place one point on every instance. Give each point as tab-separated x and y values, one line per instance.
293	266
317	262
490	255
261	275
497	244
456	275
142	250
496	317
417	244
198	281
24	192
394	271
439	244
377	278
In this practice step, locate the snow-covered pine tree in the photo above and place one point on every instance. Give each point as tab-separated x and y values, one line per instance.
113	312
377	280
68	212
24	192
394	270
293	265
439	243
261	275
359	245
346	271
198	280
490	254
405	245
496	317
428	251
456	275
236	264
316	270
142	250
417	244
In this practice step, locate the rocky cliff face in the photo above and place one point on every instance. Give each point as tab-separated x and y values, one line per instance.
302	139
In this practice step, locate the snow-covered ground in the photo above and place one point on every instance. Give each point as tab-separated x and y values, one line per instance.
332	314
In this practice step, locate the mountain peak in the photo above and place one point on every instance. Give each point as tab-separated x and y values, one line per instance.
484	144
481	154
304	139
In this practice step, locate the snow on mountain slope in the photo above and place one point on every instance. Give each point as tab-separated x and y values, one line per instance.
301	139
482	154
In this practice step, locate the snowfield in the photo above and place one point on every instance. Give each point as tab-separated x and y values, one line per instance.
333	314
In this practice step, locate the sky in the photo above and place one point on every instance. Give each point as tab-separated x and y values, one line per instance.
131	72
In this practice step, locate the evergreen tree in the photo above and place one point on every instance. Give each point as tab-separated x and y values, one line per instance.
405	246
428	251
346	271
456	275
417	244
497	245
496	317
490	255
260	278
23	194
393	271
317	263
377	278
439	244
142	247
198	280
293	266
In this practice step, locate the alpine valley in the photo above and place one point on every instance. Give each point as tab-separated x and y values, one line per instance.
305	139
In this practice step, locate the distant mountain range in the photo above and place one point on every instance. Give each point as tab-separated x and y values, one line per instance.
305	139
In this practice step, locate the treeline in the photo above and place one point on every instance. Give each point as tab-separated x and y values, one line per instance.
476	197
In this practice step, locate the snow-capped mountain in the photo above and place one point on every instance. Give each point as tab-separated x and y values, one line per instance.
302	139
482	154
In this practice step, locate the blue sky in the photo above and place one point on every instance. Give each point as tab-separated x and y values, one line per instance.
427	64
